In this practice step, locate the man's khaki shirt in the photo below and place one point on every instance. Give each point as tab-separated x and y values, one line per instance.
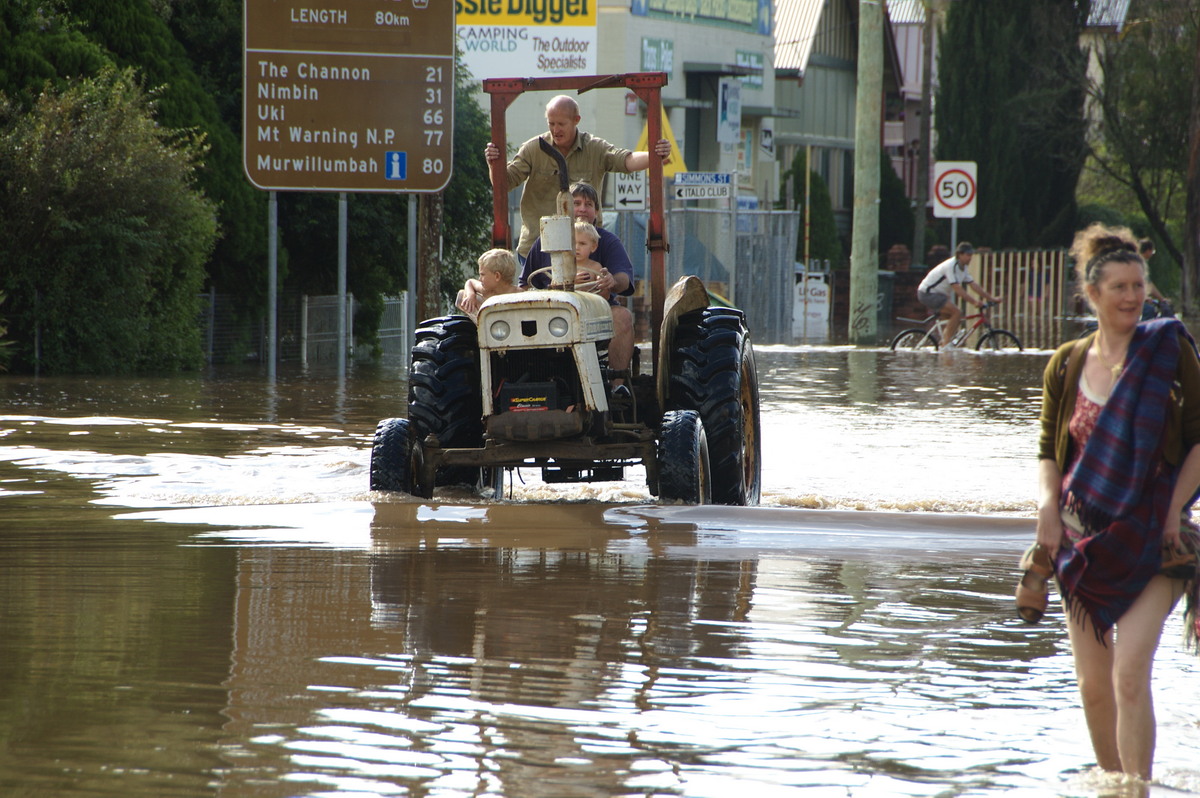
588	160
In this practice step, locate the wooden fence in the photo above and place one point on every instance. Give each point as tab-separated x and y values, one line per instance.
1038	288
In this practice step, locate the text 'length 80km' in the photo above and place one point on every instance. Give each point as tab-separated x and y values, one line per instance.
391	18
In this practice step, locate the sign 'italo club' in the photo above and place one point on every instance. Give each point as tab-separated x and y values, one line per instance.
349	95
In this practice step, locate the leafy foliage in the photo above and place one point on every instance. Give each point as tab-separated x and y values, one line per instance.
105	236
896	219
1143	99
4	345
469	194
40	44
1011	99
135	35
824	243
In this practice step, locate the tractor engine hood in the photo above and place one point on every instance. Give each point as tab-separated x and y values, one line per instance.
534	319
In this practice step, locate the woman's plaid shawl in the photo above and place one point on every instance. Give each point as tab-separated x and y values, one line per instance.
1120	487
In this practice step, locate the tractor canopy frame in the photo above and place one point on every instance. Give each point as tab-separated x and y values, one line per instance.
647	86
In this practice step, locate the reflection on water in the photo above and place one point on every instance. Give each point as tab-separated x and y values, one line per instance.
661	652
201	598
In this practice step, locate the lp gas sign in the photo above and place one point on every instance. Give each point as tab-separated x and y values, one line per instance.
954	190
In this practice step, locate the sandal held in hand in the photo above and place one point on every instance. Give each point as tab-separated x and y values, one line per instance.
1032	591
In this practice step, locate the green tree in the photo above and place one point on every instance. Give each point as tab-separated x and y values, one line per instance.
136	35
4	345
39	44
469	195
105	234
1011	95
896	218
1144	100
824	243
210	32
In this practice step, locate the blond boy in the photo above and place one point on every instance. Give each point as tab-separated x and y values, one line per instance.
587	239
497	275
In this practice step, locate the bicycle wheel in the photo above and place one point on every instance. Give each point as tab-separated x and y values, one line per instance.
912	338
998	340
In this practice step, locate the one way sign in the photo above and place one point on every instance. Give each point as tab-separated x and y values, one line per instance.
630	188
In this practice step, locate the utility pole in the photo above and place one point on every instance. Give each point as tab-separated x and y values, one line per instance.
928	31
864	255
429	255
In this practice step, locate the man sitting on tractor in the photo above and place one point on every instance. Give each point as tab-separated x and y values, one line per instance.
616	277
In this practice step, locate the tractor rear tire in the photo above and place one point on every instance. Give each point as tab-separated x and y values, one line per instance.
443	391
712	372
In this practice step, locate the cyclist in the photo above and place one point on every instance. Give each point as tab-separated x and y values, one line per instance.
946	281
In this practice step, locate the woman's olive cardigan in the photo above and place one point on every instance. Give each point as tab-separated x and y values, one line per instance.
1060	384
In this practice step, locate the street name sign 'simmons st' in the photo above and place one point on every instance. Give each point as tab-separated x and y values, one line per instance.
353	95
703	185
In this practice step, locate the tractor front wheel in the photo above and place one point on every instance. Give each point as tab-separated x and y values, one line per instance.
683	466
713	373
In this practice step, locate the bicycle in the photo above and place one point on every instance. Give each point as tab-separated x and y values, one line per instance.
990	338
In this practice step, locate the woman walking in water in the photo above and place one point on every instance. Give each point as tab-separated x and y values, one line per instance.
1119	469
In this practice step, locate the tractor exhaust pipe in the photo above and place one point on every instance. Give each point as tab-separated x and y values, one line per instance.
558	232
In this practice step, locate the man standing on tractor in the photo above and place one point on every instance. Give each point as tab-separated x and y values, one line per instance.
588	159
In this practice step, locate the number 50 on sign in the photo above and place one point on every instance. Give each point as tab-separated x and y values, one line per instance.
954	190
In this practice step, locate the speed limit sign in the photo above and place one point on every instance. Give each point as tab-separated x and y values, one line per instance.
954	190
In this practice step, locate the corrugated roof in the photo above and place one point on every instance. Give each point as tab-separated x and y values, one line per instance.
1108	14
906	12
795	28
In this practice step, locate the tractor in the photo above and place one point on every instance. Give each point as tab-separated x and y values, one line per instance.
527	384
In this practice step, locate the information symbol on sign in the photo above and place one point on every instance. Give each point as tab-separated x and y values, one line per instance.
397	165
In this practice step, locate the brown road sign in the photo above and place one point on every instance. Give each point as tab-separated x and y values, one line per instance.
349	95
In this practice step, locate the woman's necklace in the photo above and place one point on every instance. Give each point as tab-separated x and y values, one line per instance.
1113	368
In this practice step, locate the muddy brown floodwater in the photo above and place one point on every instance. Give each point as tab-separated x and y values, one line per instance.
201	598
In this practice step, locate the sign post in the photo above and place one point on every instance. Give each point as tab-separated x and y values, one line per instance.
354	95
954	194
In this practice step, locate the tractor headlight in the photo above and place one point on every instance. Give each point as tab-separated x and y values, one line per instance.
558	326
499	330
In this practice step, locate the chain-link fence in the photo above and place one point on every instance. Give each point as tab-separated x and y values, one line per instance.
746	258
307	329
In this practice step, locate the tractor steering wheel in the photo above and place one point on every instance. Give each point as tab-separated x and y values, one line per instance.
591	286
